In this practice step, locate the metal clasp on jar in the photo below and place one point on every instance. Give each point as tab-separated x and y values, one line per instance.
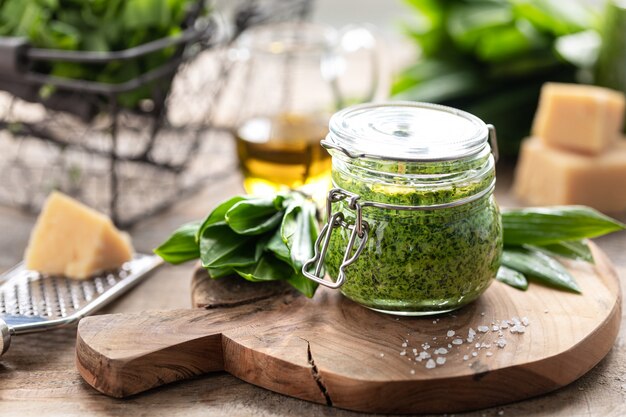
359	229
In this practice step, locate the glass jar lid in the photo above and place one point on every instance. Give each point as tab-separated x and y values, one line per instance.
406	131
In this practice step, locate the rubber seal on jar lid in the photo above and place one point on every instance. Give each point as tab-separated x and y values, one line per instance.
406	131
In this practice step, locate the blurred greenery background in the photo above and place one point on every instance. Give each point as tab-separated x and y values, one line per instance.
490	57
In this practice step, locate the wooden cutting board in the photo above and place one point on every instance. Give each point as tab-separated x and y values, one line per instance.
332	351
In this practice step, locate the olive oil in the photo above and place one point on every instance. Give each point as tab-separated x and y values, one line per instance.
282	152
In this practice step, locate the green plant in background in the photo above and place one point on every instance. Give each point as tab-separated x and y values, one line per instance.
96	25
490	57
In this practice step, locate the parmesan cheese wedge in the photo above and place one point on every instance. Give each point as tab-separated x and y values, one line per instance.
580	118
549	176
74	240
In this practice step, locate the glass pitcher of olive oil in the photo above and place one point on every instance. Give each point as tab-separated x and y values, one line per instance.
295	75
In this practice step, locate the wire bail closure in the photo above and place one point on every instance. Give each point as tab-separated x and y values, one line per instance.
360	229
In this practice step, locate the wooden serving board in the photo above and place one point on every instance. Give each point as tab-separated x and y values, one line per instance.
332	351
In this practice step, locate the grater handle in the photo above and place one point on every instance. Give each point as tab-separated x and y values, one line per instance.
5	332
124	354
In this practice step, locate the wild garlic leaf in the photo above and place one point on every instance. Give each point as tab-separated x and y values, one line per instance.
181	246
547	225
575	249
216	217
302	284
296	232
221	247
278	247
268	268
513	278
220	272
539	267
254	216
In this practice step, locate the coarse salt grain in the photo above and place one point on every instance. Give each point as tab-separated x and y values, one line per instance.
403	353
465	357
501	343
489	353
483	329
441	351
477	345
495	328
449	346
525	321
430	364
485	345
450	333
404	344
457	342
441	360
474	354
518	328
471	333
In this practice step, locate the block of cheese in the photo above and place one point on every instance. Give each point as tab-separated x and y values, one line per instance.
549	176
74	240
581	118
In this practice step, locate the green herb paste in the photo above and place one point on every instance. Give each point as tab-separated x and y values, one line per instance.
419	262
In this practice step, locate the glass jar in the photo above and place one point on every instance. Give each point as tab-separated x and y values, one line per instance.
295	76
413	227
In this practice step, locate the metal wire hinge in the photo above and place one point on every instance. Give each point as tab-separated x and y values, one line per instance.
359	229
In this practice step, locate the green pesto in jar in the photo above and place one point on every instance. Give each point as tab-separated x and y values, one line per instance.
423	177
419	261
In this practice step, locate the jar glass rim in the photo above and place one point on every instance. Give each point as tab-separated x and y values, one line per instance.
406	131
288	38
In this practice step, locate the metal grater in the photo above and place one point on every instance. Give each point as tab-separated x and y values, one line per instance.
31	302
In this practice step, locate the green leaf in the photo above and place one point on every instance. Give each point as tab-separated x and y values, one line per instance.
513	278
268	268
253	216
273	246
575	249
181	246
221	247
216	217
278	247
555	16
303	284
297	233
539	266
216	273
139	14
546	225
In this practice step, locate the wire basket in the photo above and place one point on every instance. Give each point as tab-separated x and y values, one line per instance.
125	162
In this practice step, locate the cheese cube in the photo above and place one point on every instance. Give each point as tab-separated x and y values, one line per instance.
71	239
548	176
581	118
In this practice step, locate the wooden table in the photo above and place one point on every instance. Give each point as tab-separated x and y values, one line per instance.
38	377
